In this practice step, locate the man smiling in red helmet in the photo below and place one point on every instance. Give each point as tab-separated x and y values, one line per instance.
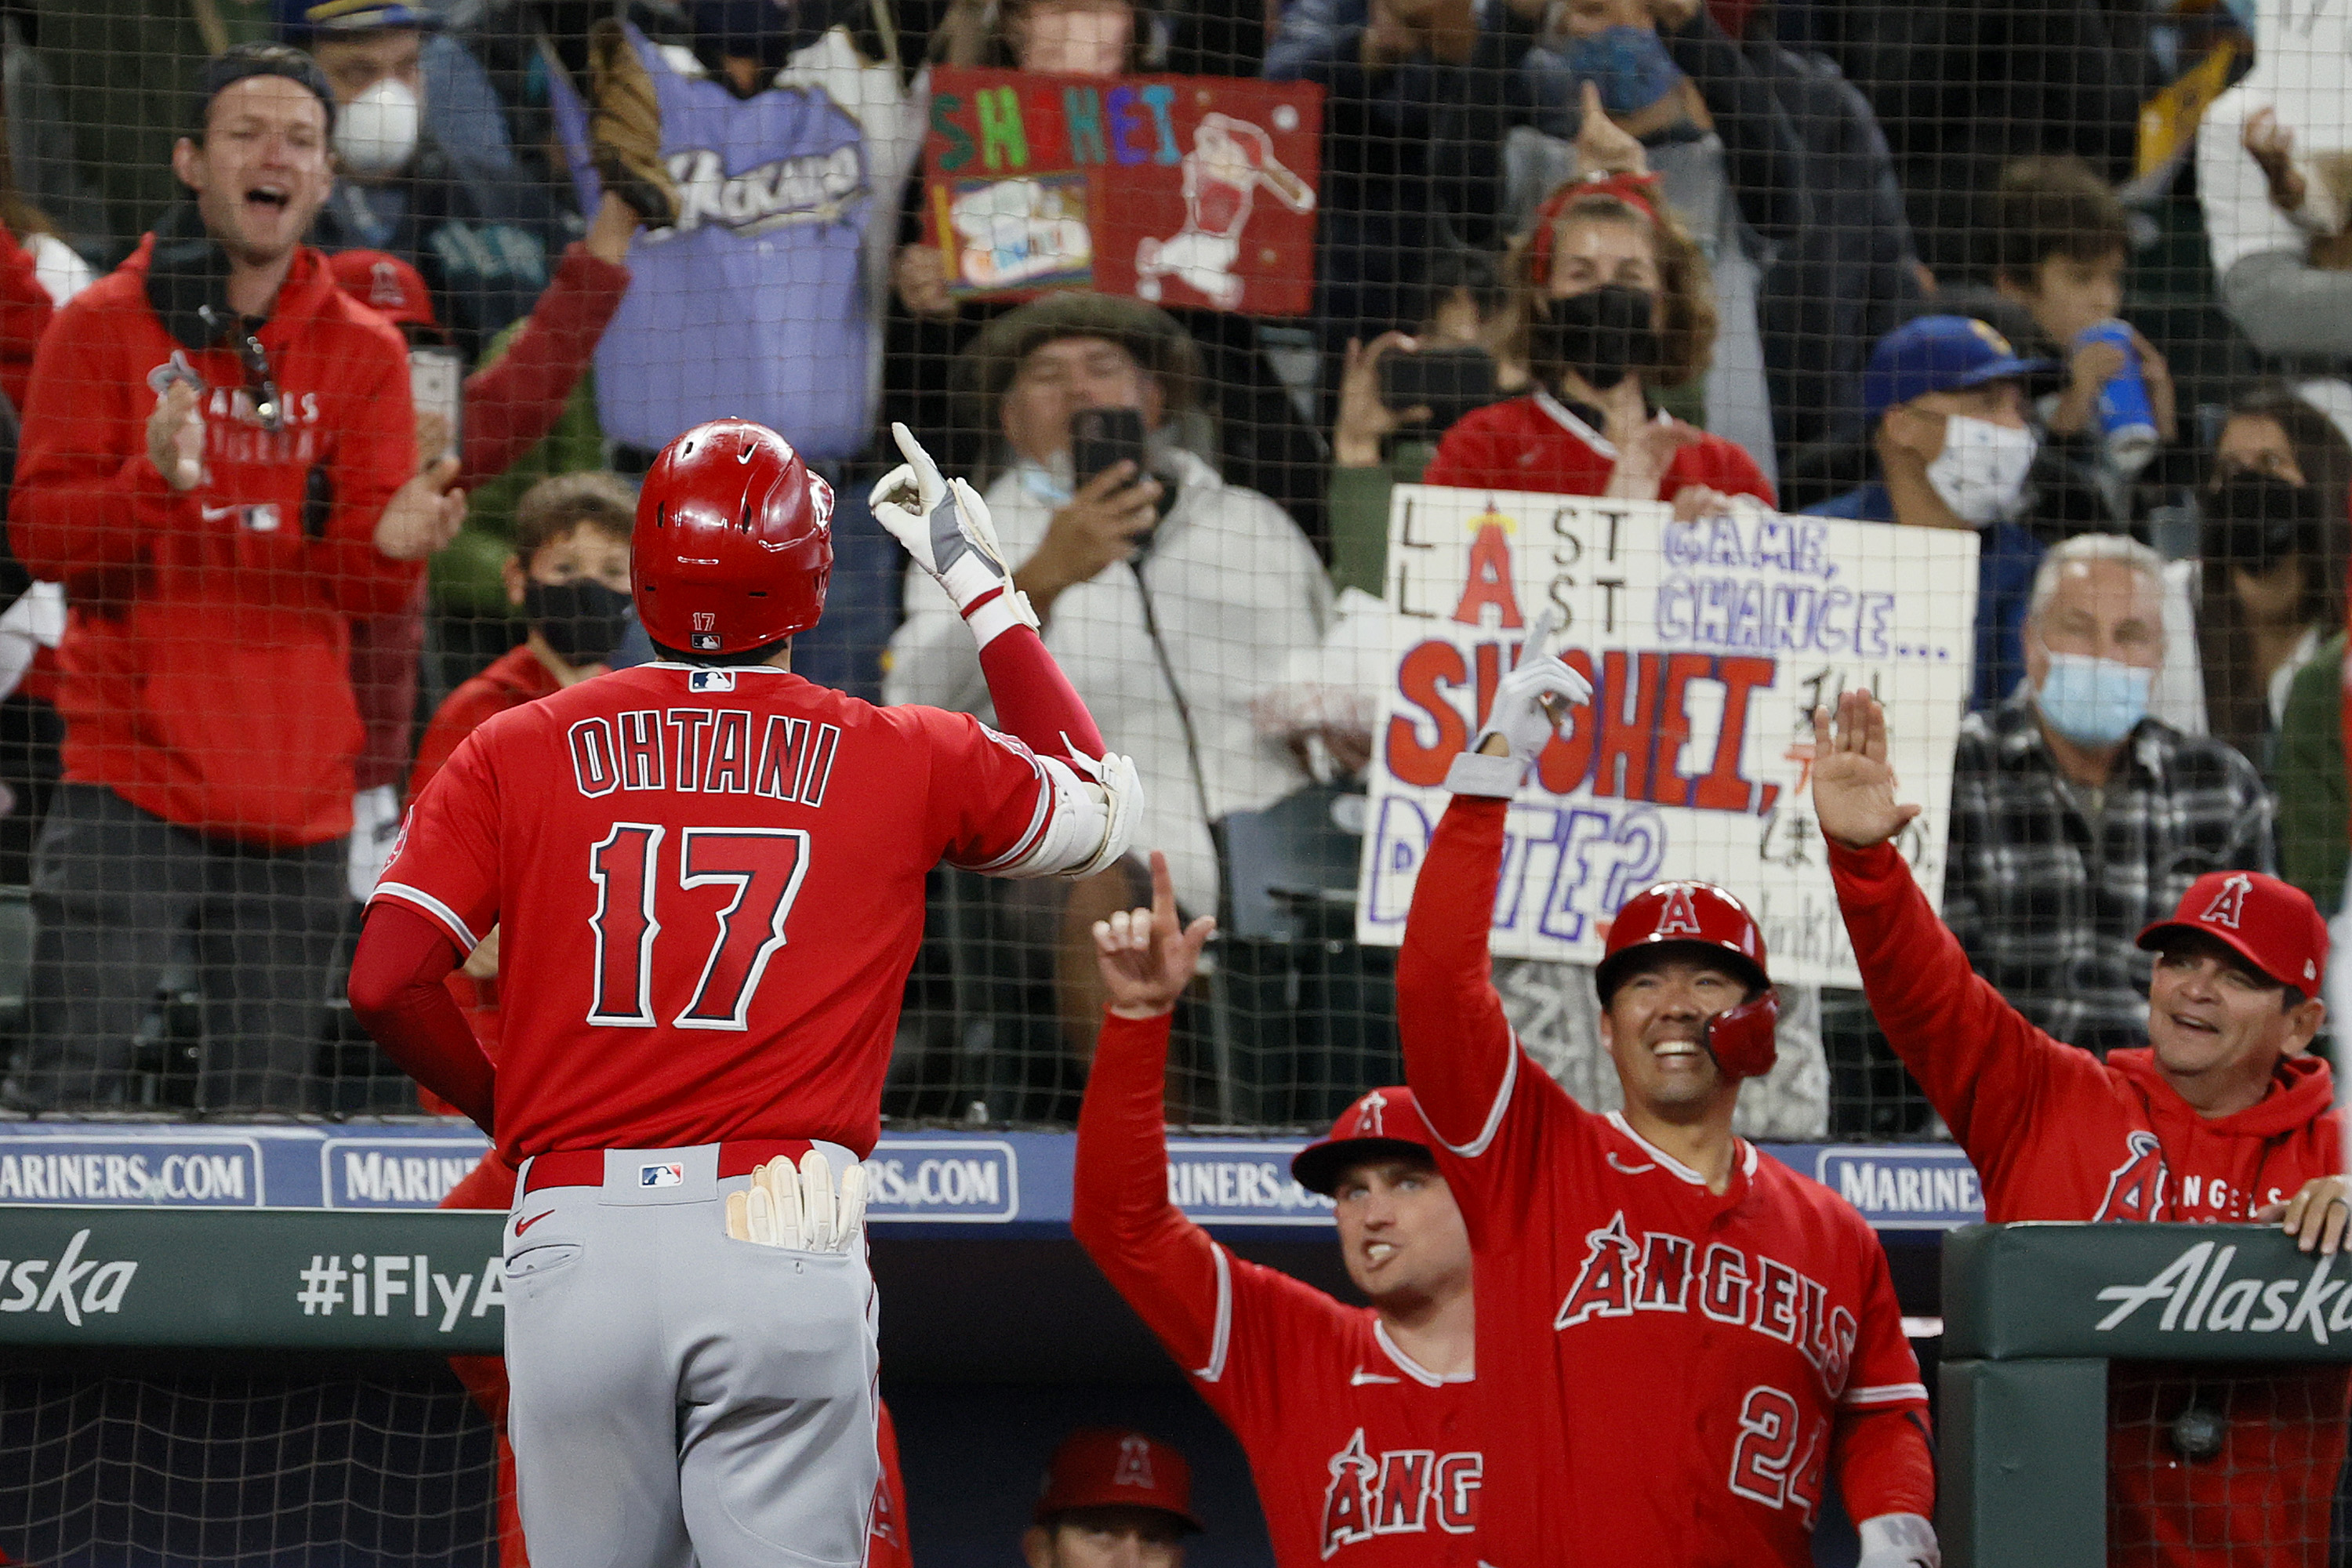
1677	1338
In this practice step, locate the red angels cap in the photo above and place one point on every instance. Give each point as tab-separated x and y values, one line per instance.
1384	1124
2274	926
1112	1467
385	284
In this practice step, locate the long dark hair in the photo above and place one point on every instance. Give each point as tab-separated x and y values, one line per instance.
2237	695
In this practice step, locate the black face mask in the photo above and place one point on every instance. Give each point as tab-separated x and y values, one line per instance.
1603	335
583	620
2255	521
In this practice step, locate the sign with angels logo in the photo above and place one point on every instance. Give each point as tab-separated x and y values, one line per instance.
1708	645
1181	190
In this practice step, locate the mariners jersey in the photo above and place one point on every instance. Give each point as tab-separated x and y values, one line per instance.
709	885
1664	1373
2057	1134
762	301
1363	1458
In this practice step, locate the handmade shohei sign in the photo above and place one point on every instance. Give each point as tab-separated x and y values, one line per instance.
1708	645
1181	190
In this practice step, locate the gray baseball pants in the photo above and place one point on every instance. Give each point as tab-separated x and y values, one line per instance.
681	1397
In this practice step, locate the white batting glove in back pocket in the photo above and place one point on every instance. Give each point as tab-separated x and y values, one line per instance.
799	1208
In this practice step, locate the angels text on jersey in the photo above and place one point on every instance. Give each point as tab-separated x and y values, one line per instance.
1397	1491
1662	1271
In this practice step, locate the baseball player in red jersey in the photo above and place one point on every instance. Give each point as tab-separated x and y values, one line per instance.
1355	1419
707	875
2223	1118
1677	1338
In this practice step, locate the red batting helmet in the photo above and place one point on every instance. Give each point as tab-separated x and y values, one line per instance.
734	541
1384	1124
1741	1037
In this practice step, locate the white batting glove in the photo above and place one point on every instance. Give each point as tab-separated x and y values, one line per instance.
798	1208
1899	1541
1526	714
945	526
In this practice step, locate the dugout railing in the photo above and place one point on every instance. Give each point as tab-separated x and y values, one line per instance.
2034	1316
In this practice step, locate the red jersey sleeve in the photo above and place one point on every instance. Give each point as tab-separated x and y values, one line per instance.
445	864
1033	699
1984	1067
989	803
1880	1448
1220	1318
1165	1266
1487	1103
513	402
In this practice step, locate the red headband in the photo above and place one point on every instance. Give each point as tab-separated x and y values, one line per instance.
1636	191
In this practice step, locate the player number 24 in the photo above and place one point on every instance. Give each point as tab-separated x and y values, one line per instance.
763	865
1766	1467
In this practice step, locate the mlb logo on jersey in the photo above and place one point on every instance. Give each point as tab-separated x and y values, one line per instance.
661	1175
711	681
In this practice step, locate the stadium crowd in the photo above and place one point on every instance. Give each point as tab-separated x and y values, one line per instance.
1643	248
335	338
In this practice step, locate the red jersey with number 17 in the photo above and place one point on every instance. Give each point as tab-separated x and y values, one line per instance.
708	889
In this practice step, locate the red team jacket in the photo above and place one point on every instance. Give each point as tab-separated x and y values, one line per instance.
2056	1134
726	961
1538	443
205	668
1664	1376
1363	1458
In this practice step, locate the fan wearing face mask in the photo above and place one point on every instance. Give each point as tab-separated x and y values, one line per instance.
426	169
1944	397
2270	578
1614	301
2078	817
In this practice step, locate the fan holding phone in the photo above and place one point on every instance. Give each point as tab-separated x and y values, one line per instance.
1166	594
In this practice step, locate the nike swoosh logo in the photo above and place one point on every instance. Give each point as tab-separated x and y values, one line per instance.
1360	1377
524	1225
214	513
1617	1165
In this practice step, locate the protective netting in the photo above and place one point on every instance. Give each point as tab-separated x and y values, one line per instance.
2226	1464
245	1463
1586	252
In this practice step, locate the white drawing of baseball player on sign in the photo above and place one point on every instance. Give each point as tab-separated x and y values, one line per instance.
1230	160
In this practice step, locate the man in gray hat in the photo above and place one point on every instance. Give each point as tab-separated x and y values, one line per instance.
1166	594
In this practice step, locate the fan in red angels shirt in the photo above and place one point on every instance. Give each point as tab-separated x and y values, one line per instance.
1614	298
1355	1419
2223	1118
1679	1338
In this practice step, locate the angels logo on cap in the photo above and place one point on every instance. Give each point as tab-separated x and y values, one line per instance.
2229	905
1680	917
1371	1115
1134	1462
2272	925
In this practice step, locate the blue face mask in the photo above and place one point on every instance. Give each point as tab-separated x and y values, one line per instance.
2092	702
1629	64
